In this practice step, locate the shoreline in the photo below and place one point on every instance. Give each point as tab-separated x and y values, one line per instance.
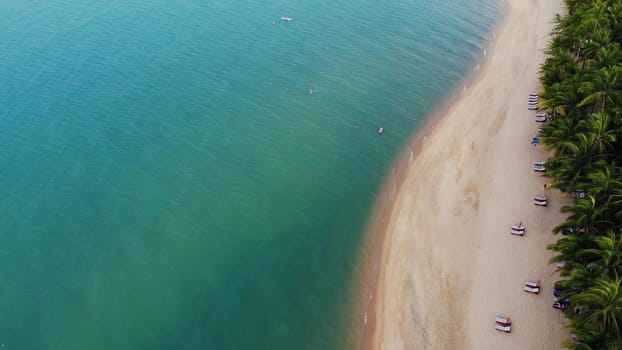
376	230
381	244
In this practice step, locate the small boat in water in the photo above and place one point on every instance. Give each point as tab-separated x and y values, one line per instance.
380	130
286	18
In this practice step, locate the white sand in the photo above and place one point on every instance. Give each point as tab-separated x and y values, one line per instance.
449	264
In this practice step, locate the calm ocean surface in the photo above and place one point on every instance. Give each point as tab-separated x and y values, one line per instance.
168	181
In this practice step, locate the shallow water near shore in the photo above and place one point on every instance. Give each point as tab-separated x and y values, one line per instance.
189	175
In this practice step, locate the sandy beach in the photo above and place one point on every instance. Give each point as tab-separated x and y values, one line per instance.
449	264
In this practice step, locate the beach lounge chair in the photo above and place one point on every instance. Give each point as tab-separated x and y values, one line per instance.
539	163
558	305
539	168
540	119
532	107
533	94
560	264
572	230
533	99
506	329
503	320
540	200
578	194
533	284
518	230
561	304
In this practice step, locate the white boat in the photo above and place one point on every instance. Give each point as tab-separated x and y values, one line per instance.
286	18
380	130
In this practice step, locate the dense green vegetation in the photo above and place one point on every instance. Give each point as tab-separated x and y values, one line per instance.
582	90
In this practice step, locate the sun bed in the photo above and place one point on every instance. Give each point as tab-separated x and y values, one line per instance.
532	107
540	200
534	290
558	305
533	94
506	329
539	163
503	320
518	230
541	119
560	264
540	169
578	194
533	99
561	304
533	284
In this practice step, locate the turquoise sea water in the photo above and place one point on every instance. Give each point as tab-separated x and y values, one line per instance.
168	181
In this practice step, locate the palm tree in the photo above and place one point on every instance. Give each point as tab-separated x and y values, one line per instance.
597	128
606	57
560	98
602	304
593	218
560	135
606	256
604	185
590	339
569	249
582	277
602	89
616	21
